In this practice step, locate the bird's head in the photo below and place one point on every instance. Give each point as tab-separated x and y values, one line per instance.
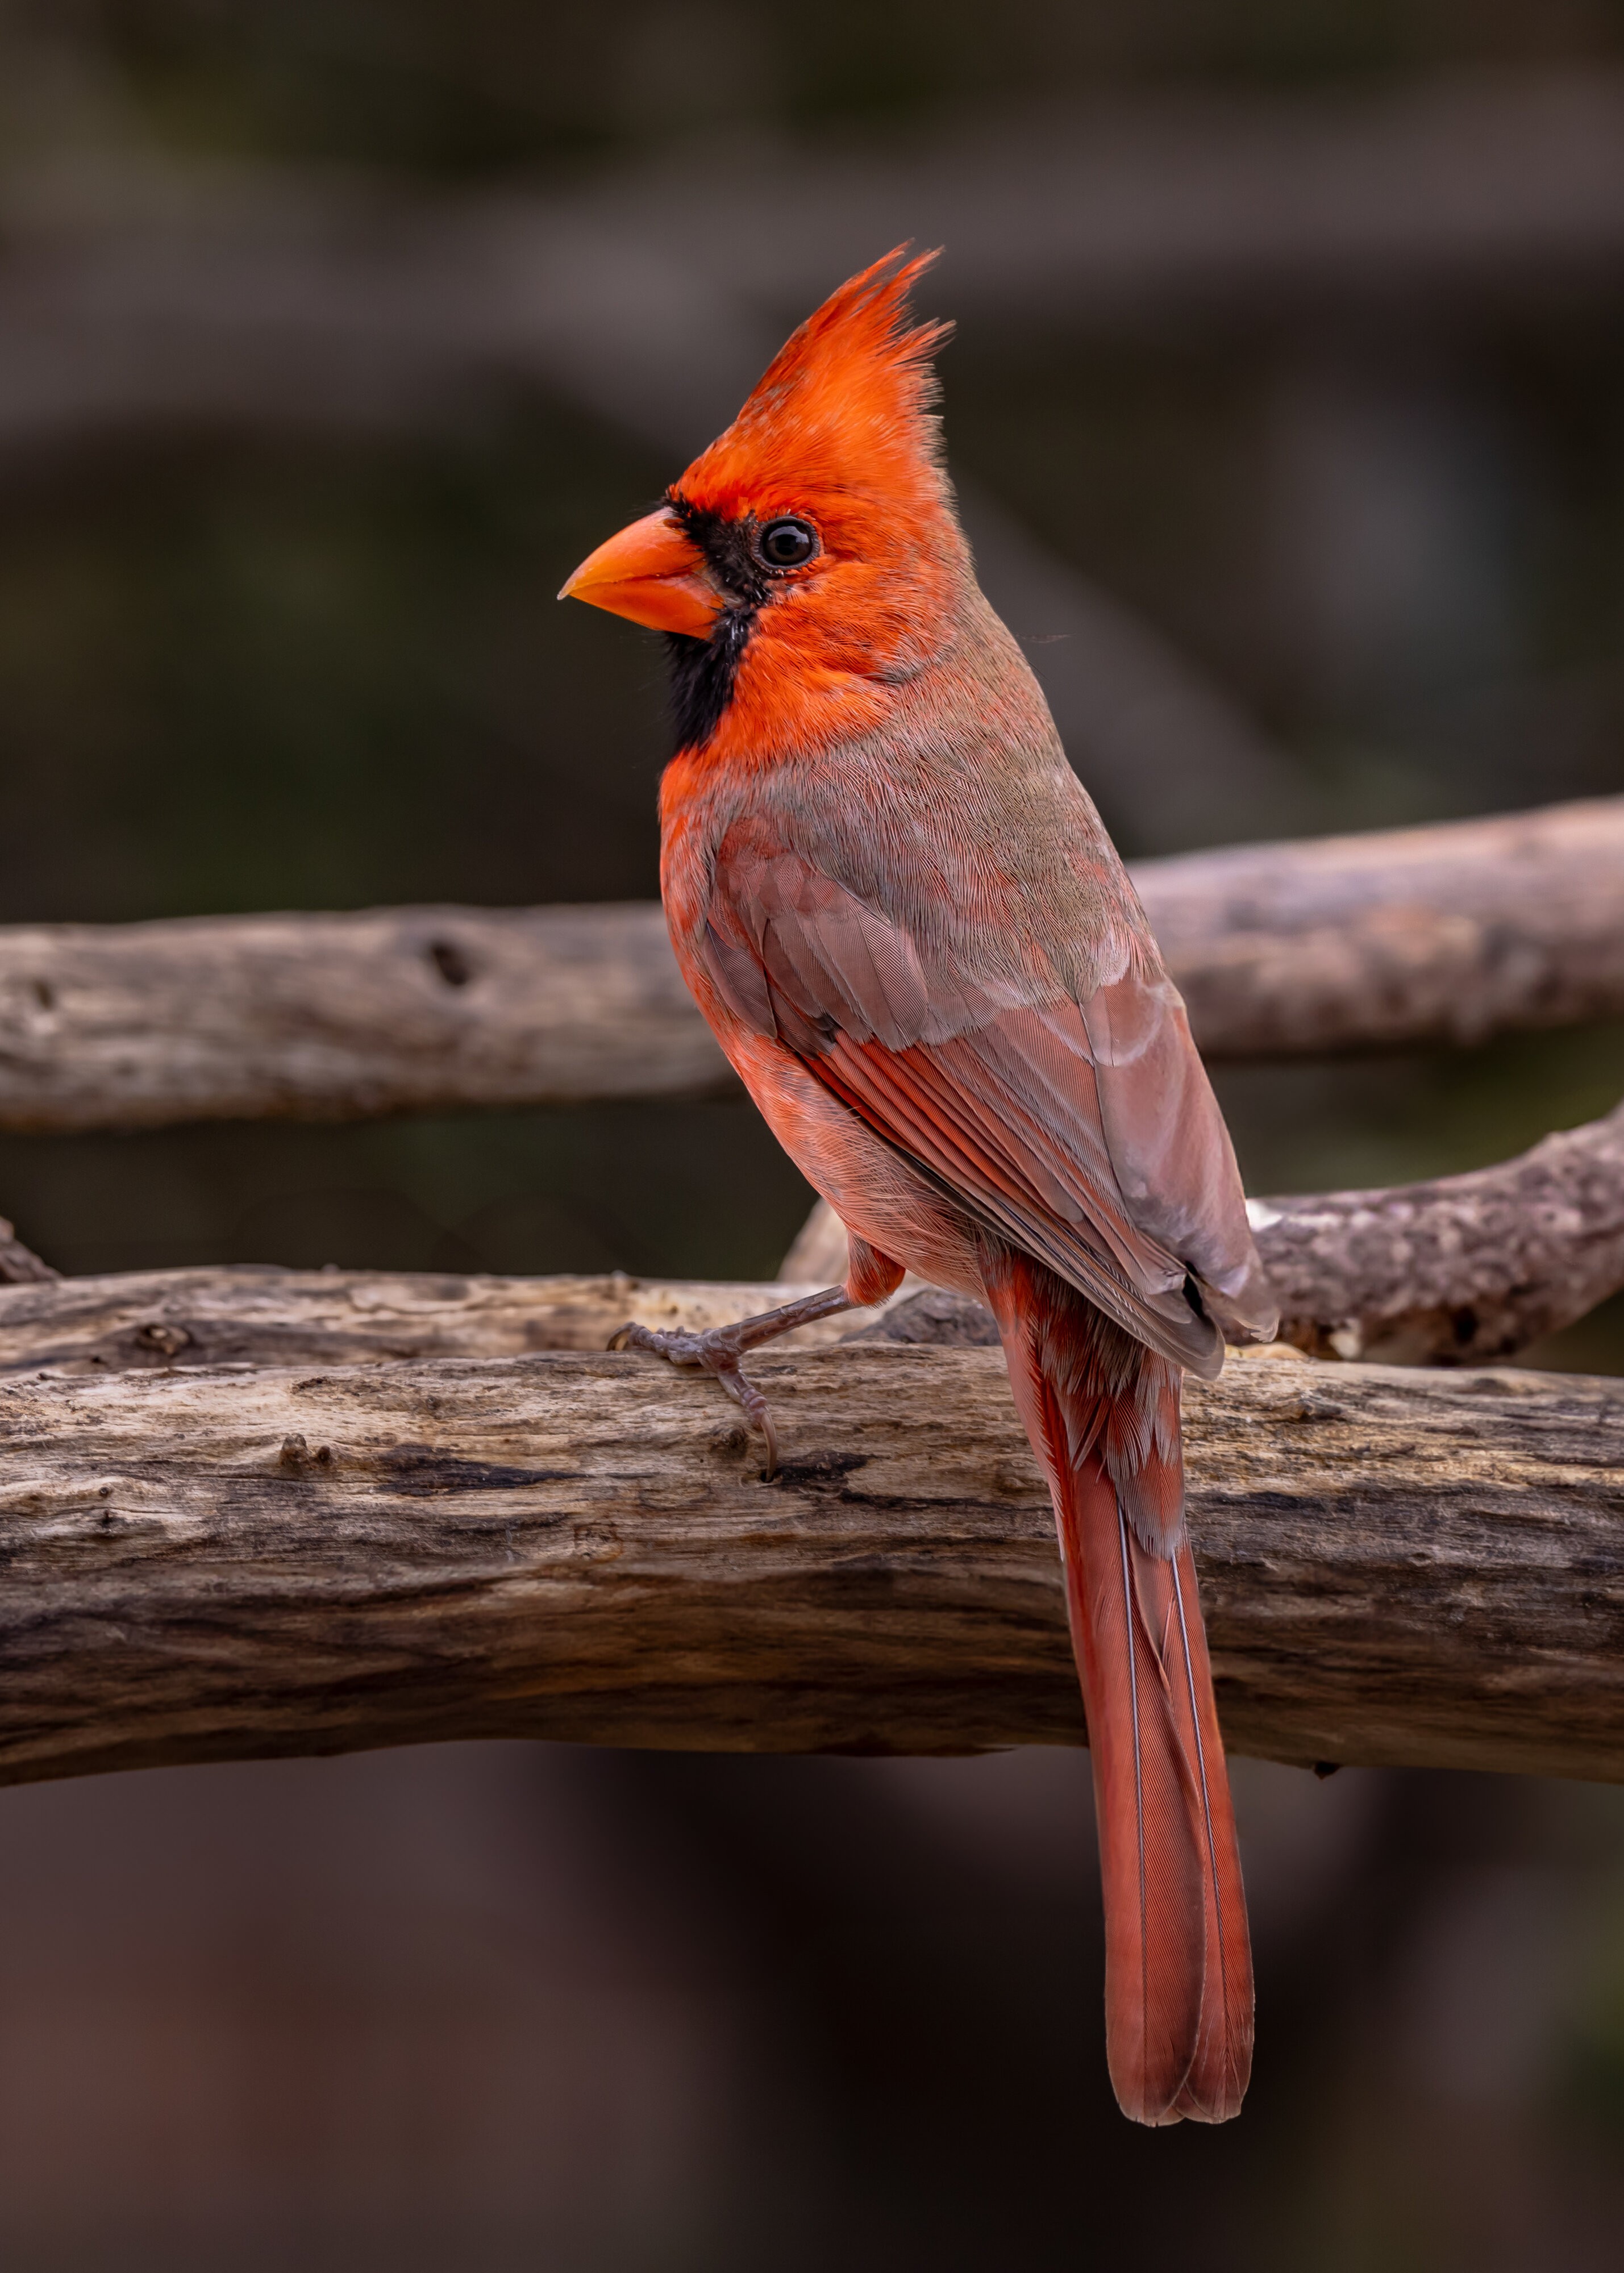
807	563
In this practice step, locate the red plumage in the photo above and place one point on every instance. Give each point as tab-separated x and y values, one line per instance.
902	916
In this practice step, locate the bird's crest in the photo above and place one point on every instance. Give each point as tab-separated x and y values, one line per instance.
848	404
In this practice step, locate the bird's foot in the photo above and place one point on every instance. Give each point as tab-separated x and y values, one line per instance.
720	1350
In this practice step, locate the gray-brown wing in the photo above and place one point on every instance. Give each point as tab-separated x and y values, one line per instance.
1087	1133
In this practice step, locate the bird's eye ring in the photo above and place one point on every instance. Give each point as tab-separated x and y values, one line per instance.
786	543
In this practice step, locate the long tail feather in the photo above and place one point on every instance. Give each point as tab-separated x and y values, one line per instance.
1101	1412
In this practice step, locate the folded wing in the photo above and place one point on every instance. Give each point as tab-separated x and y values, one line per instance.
1085	1131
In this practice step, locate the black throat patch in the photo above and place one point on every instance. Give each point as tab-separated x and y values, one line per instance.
703	670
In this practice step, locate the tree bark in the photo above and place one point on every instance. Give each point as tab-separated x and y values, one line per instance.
1413	935
1457	1271
1397	1566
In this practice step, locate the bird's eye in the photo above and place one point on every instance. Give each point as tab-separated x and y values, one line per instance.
786	544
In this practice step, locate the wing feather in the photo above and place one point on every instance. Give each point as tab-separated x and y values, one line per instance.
1085	1131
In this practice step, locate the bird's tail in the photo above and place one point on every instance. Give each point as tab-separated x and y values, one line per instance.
1103	1414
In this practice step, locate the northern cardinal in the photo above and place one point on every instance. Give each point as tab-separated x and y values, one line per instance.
902	914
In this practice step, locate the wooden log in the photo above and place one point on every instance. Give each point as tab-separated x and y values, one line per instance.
1446	933
1398	1566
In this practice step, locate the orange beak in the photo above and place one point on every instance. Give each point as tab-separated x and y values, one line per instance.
653	574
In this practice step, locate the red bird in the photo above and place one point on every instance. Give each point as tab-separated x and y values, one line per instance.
901	915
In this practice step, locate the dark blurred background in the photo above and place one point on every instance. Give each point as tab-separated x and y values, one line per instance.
1288	408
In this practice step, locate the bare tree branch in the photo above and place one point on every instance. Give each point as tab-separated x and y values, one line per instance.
1397	1566
1449	1272
1460	1270
1446	933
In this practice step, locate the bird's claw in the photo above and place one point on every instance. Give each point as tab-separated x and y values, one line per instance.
717	1350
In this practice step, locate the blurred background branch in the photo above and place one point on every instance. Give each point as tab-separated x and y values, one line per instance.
133	293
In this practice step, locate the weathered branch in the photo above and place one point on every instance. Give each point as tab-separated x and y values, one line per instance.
1459	1270
1397	1566
336	1015
1444	934
468	1541
1448	933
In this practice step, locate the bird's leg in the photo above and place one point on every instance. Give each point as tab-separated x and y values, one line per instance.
721	1349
